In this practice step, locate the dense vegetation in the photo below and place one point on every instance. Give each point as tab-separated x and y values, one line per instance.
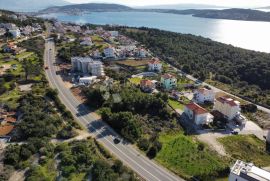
130	111
245	72
88	157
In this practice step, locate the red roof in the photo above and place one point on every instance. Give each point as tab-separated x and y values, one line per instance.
226	100
168	76
196	108
10	119
154	61
146	83
4	130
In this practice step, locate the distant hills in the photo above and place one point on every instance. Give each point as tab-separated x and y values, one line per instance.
30	5
232	14
89	7
182	6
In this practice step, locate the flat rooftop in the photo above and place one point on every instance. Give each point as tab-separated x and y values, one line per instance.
249	171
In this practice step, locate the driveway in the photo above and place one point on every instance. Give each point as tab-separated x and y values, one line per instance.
211	139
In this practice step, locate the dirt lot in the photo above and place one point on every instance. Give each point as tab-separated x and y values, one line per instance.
4	68
133	63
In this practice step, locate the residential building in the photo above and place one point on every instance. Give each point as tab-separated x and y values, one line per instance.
96	68
114	33
197	114
87	65
87	80
16	33
147	85
228	107
168	81
86	41
155	65
201	95
2	31
141	53
242	171
109	52
81	64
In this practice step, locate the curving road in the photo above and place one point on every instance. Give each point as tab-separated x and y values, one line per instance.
146	168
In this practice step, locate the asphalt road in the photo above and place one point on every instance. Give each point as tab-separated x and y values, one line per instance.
146	168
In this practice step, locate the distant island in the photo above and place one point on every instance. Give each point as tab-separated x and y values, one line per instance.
231	14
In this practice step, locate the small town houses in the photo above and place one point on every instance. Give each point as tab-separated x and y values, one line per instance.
168	81
155	65
147	85
197	114
203	95
228	107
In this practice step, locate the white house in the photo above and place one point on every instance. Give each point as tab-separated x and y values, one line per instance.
155	65
16	33
87	80
199	115
228	107
201	95
114	33
168	81
141	53
2	31
86	41
87	65
109	52
242	171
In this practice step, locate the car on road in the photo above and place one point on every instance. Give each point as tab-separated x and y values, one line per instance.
234	132
116	140
46	67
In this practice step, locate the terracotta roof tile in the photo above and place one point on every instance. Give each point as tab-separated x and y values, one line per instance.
226	100
4	130
196	108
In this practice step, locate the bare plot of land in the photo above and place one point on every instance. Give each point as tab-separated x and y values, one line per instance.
4	68
133	63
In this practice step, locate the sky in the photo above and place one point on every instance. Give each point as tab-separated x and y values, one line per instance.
228	3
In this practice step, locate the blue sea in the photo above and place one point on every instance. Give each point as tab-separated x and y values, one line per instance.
245	34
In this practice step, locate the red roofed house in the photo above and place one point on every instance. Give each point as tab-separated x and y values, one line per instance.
199	115
147	85
228	107
155	65
201	95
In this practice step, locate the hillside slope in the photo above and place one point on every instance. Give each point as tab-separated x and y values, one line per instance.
90	7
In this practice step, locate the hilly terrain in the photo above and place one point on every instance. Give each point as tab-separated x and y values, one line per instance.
89	7
29	5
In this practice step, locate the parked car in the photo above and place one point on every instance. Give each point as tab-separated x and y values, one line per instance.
116	141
